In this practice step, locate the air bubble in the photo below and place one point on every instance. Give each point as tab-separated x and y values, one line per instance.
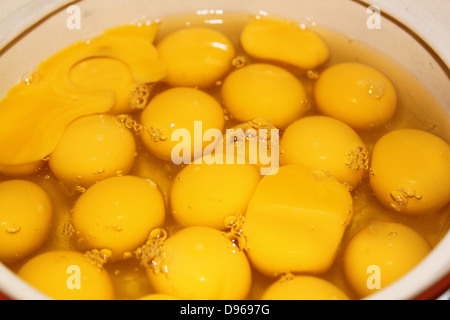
140	96
358	158
239	62
152	254
312	74
12	229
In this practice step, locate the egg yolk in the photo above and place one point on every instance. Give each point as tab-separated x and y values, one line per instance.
180	108
356	94
92	148
410	171
21	170
67	275
106	74
25	218
196	57
292	287
206	194
381	253
295	221
327	144
285	42
264	91
118	214
158	296
197	263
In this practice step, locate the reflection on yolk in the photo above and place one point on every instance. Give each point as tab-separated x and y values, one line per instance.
196	57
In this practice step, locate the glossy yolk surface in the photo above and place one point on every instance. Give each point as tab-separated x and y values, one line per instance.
285	42
266	91
327	144
410	171
291	287
295	221
381	253
118	214
206	194
93	148
67	275
198	261
170	120
356	94
26	216
196	57
113	115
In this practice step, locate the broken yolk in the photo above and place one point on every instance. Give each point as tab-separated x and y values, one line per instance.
295	221
34	115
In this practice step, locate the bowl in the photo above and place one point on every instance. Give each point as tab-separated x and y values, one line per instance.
410	33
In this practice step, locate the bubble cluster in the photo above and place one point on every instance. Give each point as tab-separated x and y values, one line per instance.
98	257
152	254
141	95
358	158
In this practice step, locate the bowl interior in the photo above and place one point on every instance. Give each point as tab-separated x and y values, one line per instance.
43	31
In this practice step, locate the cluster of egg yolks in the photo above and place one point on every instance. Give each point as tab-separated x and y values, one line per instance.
197	263
180	108
118	214
21	170
106	74
285	42
196	57
328	144
266	91
381	253
67	275
26	215
295	221
356	94
303	287
93	148
206	194
411	171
